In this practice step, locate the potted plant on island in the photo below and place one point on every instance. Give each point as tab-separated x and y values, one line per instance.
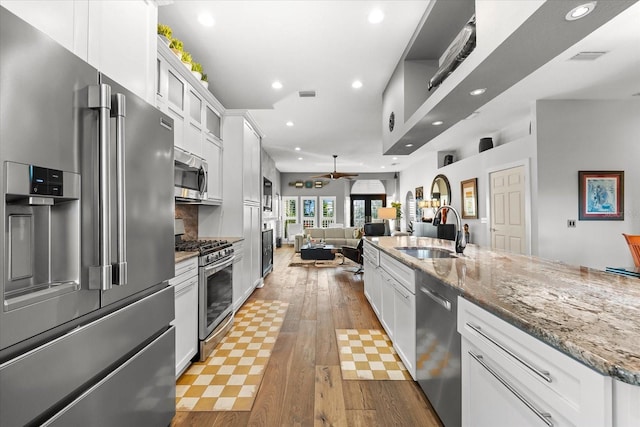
165	32
205	81
196	70
176	47
186	60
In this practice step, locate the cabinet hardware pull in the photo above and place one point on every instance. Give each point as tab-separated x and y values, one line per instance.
544	416
437	298
542	374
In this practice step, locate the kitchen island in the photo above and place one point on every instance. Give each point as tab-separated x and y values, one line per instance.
588	315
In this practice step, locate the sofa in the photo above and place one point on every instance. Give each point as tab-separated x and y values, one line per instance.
347	236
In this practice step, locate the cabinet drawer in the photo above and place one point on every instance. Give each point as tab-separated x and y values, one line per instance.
537	365
371	253
184	270
402	273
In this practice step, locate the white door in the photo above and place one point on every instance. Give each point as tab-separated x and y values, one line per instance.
508	225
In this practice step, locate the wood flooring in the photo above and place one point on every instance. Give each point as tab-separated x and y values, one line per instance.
302	384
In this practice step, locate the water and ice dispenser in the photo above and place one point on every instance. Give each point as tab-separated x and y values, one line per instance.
42	234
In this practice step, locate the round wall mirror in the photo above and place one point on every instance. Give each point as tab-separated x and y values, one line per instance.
441	190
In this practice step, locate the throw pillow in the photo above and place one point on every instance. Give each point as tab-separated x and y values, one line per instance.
357	233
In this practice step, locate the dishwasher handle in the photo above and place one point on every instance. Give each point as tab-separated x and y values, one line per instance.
436	297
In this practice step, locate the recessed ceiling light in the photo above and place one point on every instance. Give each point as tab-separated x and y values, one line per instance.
206	20
299	158
382	167
580	11
477	92
297	148
376	16
356	84
472	115
437	123
408	145
276	85
394	158
289	123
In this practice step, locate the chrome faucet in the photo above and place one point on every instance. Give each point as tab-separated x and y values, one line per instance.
461	241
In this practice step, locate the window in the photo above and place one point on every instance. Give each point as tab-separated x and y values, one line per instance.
290	212
328	212
309	211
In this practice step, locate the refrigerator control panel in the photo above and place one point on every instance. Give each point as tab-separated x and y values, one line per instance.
45	182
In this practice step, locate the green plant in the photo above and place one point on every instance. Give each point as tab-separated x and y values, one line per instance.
186	57
397	206
196	66
176	44
205	78
165	30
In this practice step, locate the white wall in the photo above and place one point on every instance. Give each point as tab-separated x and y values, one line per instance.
586	135
478	165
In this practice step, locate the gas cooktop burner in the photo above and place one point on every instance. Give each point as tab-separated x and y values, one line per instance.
202	246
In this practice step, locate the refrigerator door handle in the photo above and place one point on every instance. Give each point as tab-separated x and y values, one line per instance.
99	98
118	101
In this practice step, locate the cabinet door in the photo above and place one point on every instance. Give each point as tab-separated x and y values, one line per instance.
212	119
193	136
175	104
63	21
252	179
387	305
212	153
492	397
405	327
238	279
122	45
186	323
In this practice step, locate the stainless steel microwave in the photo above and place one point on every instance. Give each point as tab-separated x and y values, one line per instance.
190	177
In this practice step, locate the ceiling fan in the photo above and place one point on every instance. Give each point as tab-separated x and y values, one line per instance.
335	174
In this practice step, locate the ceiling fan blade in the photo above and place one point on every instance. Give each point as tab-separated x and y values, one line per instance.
338	175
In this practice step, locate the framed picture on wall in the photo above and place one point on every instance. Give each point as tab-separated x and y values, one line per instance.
469	192
601	195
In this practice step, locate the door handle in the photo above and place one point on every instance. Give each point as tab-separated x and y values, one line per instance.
437	298
544	416
99	98
118	111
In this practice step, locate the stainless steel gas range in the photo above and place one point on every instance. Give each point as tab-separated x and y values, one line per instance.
215	290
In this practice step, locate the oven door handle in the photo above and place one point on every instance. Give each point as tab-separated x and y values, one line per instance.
214	268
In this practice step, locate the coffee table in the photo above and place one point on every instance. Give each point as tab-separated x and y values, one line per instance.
318	252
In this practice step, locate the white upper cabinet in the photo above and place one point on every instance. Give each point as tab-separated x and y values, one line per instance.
116	37
251	165
122	43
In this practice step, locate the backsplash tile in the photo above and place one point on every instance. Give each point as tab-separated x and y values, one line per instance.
189	214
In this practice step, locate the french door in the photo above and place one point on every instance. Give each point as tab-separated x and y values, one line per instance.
364	208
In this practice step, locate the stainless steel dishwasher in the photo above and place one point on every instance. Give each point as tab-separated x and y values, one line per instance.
438	347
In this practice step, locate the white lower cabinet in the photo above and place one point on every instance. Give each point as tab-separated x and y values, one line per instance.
239	287
390	289
510	378
405	332
185	286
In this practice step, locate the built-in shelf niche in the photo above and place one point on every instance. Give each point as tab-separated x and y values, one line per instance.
441	23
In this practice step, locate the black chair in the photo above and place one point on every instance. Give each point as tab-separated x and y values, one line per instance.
374	229
355	255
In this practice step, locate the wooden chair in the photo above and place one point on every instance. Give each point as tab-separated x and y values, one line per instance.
634	247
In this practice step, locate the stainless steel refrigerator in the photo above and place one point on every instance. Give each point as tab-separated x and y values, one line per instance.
87	248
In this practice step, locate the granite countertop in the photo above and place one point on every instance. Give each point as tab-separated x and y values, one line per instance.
591	315
182	255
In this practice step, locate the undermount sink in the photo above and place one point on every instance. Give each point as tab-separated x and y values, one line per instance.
426	252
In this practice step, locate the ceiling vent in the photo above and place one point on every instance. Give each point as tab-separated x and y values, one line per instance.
307	93
587	56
